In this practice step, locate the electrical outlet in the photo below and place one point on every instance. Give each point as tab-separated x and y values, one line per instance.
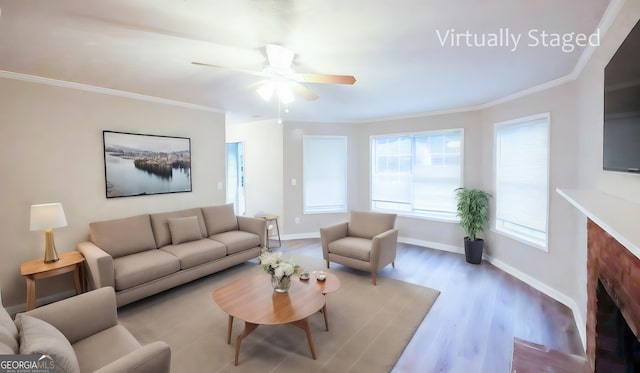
294	182
219	185
297	220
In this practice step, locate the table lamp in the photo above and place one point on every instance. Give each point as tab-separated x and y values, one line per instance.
46	217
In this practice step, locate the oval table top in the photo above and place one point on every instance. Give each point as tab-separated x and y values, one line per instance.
253	300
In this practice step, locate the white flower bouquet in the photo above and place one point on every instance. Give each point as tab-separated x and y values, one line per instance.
277	265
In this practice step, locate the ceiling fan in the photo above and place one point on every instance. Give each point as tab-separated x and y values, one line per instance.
280	78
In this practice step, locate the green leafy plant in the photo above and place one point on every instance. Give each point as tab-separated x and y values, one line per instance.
473	210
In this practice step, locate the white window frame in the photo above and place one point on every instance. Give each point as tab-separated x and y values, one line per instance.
523	238
435	216
325	210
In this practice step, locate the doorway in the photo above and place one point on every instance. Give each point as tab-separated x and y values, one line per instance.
235	177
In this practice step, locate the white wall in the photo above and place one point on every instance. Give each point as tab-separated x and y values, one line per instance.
310	224
263	163
52	151
549	267
590	106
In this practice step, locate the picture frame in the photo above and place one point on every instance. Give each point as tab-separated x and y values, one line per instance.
143	164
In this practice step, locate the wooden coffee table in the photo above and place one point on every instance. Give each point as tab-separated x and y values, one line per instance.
253	300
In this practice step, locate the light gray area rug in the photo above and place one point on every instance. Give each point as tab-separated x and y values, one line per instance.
369	326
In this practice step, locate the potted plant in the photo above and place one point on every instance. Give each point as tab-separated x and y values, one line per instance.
473	211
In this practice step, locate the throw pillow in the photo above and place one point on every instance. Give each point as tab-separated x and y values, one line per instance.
39	337
184	229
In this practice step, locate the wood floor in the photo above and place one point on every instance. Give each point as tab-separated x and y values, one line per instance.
472	325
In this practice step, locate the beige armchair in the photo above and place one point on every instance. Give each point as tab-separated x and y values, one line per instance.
366	242
83	335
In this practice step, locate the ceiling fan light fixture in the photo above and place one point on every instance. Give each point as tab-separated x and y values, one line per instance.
279	57
266	90
285	94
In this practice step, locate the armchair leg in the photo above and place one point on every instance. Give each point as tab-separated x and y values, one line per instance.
393	264
327	264
374	276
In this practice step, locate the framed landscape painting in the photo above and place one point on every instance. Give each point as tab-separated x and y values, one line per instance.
136	164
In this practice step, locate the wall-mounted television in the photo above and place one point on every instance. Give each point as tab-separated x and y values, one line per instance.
621	145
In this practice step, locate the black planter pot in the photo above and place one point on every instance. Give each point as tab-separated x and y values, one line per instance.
473	250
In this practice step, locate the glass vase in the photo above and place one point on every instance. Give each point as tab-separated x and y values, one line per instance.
281	285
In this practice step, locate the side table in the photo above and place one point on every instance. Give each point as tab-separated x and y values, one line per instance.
37	269
271	218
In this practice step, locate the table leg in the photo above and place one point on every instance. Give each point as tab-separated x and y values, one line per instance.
31	293
326	318
248	328
304	325
229	328
77	279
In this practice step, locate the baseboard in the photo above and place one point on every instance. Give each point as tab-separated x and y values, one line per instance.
22	307
432	245
300	236
580	323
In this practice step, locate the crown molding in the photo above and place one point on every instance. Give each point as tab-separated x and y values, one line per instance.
104	91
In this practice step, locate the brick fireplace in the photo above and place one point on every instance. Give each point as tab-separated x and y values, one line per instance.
615	270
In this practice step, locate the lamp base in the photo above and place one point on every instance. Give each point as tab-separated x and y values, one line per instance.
50	254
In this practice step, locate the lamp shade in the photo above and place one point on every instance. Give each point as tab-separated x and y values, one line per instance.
47	216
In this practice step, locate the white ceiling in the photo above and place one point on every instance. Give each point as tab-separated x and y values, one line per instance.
391	47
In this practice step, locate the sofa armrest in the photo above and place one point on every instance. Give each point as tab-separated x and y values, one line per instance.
252	225
383	248
81	316
99	263
152	358
330	234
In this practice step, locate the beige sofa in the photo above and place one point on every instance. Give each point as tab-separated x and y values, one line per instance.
366	242
81	334
146	254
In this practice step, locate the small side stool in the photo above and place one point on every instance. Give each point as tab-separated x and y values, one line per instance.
269	219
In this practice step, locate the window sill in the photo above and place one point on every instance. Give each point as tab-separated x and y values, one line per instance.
325	212
521	239
445	218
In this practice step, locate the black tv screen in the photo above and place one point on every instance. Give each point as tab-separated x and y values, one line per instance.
621	145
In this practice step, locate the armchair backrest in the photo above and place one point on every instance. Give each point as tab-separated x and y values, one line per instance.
365	224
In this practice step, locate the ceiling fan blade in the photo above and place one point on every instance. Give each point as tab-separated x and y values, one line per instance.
278	56
252	72
305	92
325	78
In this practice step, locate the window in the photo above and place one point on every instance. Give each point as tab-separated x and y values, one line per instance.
325	174
522	178
417	174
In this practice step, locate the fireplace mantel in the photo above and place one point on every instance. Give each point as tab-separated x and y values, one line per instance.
619	217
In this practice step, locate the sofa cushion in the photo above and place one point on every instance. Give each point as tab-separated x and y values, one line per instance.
365	224
8	333
160	224
124	236
8	343
39	337
237	241
197	252
220	218
136	269
104	347
184	229
352	247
